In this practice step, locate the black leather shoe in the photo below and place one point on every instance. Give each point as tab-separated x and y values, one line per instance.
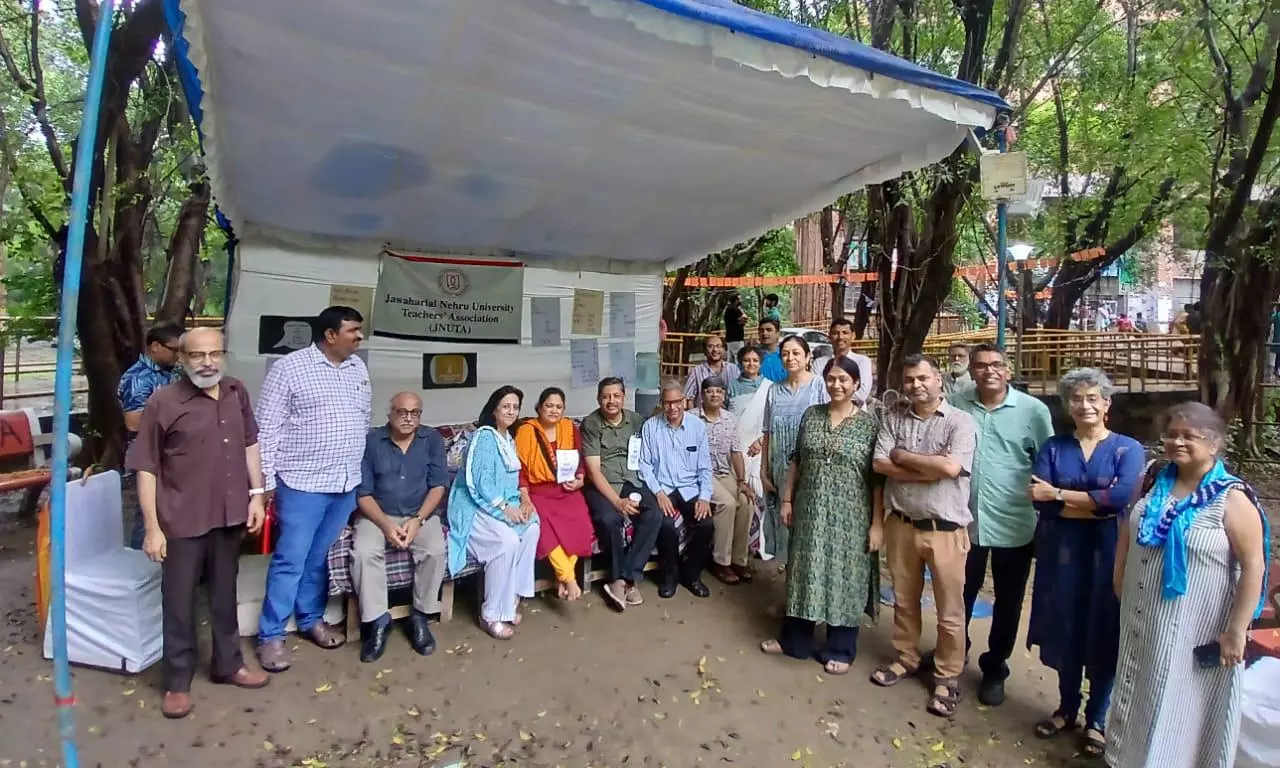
419	629
375	641
667	589
991	692
698	588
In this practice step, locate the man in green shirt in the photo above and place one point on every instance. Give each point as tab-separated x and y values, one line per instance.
1011	428
611	445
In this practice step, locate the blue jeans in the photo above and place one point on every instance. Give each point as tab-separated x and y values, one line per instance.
298	576
1095	710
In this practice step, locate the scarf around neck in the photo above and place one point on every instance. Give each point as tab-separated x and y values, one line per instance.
1165	523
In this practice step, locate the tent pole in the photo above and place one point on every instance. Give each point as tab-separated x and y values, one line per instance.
1002	250
73	264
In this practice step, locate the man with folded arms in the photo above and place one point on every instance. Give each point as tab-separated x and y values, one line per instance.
200	489
926	453
403	481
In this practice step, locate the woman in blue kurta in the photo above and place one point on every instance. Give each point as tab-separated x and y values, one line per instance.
487	520
1082	484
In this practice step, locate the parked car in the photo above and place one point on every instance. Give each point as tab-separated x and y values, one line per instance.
819	342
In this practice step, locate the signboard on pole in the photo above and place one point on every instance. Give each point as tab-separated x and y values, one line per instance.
469	301
1004	175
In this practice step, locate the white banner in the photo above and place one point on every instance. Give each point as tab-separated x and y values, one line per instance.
473	301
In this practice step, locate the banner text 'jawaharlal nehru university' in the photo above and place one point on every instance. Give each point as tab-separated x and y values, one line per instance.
469	301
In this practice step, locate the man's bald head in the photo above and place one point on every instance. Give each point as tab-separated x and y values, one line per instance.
201	339
404	414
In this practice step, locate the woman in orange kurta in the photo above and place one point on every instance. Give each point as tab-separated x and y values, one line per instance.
551	478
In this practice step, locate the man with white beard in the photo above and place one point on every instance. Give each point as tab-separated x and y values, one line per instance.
200	488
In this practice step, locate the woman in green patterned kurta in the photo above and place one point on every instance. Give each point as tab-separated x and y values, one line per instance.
833	505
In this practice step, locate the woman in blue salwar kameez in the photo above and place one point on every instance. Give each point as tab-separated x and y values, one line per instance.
1082	484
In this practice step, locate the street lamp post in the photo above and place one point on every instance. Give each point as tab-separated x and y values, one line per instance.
1020	252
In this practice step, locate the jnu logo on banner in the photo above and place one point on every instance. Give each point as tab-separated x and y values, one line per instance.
474	301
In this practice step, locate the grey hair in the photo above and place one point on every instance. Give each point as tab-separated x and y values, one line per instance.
671	385
1085	377
190	334
1195	415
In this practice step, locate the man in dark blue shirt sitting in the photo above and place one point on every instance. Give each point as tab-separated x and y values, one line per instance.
403	482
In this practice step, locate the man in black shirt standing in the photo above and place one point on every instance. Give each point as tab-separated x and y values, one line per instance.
735	324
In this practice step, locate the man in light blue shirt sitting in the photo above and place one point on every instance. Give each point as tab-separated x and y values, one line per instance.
675	464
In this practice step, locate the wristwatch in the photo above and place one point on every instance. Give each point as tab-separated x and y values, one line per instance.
257	492
1057	495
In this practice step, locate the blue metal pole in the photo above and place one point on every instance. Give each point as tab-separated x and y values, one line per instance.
1002	252
73	263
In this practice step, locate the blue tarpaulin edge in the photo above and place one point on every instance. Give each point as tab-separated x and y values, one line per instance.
730	15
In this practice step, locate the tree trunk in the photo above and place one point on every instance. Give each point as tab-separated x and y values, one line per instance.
183	253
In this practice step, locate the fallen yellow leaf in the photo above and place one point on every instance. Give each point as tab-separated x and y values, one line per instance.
938	747
897	743
397	739
324	687
795	756
414	712
526	736
542	713
760	693
268	745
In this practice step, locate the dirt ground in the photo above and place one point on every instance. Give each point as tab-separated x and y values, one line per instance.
675	682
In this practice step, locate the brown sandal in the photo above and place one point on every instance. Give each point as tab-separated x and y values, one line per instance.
885	676
326	636
744	573
945	705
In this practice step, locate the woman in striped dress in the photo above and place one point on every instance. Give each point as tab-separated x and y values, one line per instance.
784	406
1190	570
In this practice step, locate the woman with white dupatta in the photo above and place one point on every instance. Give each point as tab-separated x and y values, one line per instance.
488	520
747	395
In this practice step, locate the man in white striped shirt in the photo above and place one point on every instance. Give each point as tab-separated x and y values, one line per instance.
313	413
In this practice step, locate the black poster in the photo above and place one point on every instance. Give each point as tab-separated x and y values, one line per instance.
453	370
278	335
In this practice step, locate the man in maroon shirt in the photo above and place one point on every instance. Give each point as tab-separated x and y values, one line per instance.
200	487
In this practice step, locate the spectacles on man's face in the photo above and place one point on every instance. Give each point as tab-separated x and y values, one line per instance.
1185	437
994	365
199	357
673	403
404	414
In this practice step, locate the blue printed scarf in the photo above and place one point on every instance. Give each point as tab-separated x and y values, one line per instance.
1165	525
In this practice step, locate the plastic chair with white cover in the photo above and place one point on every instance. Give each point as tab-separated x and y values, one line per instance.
114	611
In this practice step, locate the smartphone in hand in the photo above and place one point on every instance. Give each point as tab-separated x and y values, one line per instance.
1208	655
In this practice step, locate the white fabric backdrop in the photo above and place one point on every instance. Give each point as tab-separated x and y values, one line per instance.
279	279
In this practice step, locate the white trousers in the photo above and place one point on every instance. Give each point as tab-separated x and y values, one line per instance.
508	564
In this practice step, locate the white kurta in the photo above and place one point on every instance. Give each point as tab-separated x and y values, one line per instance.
1166	712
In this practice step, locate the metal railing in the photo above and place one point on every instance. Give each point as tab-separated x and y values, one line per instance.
1136	362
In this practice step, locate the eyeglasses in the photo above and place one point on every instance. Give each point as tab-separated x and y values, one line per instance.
998	365
1186	437
402	414
672	403
213	357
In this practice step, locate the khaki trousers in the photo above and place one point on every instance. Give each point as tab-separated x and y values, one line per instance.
733	512
369	567
909	550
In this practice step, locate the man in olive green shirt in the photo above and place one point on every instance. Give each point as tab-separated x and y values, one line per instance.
1011	427
611	445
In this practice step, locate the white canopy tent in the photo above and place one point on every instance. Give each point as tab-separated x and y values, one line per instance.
600	142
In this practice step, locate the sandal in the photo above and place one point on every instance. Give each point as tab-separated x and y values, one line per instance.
771	647
945	705
1095	742
1055	724
886	676
326	636
744	573
499	630
836	667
